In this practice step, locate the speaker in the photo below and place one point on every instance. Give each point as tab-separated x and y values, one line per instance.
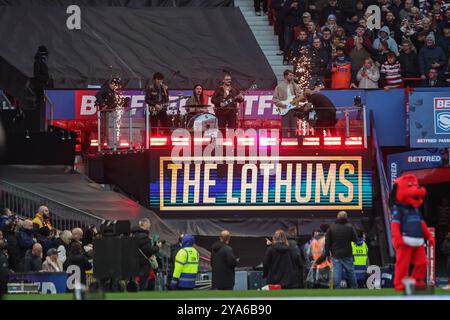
113	228
116	257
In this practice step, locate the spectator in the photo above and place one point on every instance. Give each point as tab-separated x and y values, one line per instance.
340	37
223	263
12	245
257	5
395	8
293	239
444	40
173	253
443	220
306	250
146	250
62	245
446	252
383	35
6	214
437	11
4	267
42	218
409	62
348	8
359	48
184	274
368	75
32	262
319	61
291	12
43	237
89	235
446	20
360	256
338	242
391	23
312	32
77	257
360	9
277	6
77	236
331	23
25	238
306	18
327	42
407	29
341	70
297	45
419	40
431	56
433	79
52	263
331	9
317	250
405	13
367	32
280	262
391	73
426	25
351	24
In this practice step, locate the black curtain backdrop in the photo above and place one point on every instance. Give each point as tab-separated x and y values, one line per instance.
133	43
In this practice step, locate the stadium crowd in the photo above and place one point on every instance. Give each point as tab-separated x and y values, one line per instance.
411	48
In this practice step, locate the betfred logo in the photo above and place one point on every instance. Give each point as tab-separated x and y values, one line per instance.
85	105
442	115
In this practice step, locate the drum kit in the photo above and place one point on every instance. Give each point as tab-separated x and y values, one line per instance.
196	119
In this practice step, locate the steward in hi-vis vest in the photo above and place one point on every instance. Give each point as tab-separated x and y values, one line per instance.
360	255
186	265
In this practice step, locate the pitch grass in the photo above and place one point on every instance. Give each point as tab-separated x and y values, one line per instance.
326	293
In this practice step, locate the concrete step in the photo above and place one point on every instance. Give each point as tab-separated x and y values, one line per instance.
262	28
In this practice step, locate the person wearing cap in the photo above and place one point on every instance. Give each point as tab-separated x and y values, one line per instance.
331	23
52	263
431	56
306	18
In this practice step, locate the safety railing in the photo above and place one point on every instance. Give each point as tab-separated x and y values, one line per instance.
25	203
384	186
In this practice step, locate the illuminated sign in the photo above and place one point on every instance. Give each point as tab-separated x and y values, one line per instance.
261	183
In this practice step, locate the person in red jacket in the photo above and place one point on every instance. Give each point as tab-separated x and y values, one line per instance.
409	231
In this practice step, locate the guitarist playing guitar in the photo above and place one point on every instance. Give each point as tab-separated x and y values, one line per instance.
225	100
157	98
287	90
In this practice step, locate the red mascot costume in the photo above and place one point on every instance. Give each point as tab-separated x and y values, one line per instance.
409	231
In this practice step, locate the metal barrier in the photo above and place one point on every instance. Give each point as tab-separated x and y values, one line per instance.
26	203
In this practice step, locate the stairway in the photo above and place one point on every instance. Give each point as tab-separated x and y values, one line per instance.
264	35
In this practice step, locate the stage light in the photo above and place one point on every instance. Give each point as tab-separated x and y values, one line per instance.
332	141
289	142
124	144
246	141
180	141
268	141
311	141
158	141
354	141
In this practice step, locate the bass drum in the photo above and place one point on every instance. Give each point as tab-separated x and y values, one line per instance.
204	122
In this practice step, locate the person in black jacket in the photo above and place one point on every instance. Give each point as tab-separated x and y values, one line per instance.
12	245
338	241
324	109
32	262
4	267
223	263
293	239
409	62
280	262
319	60
145	250
77	257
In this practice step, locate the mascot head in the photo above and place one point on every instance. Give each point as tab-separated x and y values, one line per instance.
407	191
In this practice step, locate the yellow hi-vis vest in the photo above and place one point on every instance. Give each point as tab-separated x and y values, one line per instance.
360	254
186	267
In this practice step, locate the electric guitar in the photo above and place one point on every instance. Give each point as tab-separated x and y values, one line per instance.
296	102
156	109
229	101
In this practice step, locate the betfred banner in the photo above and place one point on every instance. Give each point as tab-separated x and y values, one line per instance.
413	160
257	105
429	119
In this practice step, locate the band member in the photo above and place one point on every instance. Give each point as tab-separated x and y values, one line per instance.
324	109
157	99
284	93
197	97
225	100
108	99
